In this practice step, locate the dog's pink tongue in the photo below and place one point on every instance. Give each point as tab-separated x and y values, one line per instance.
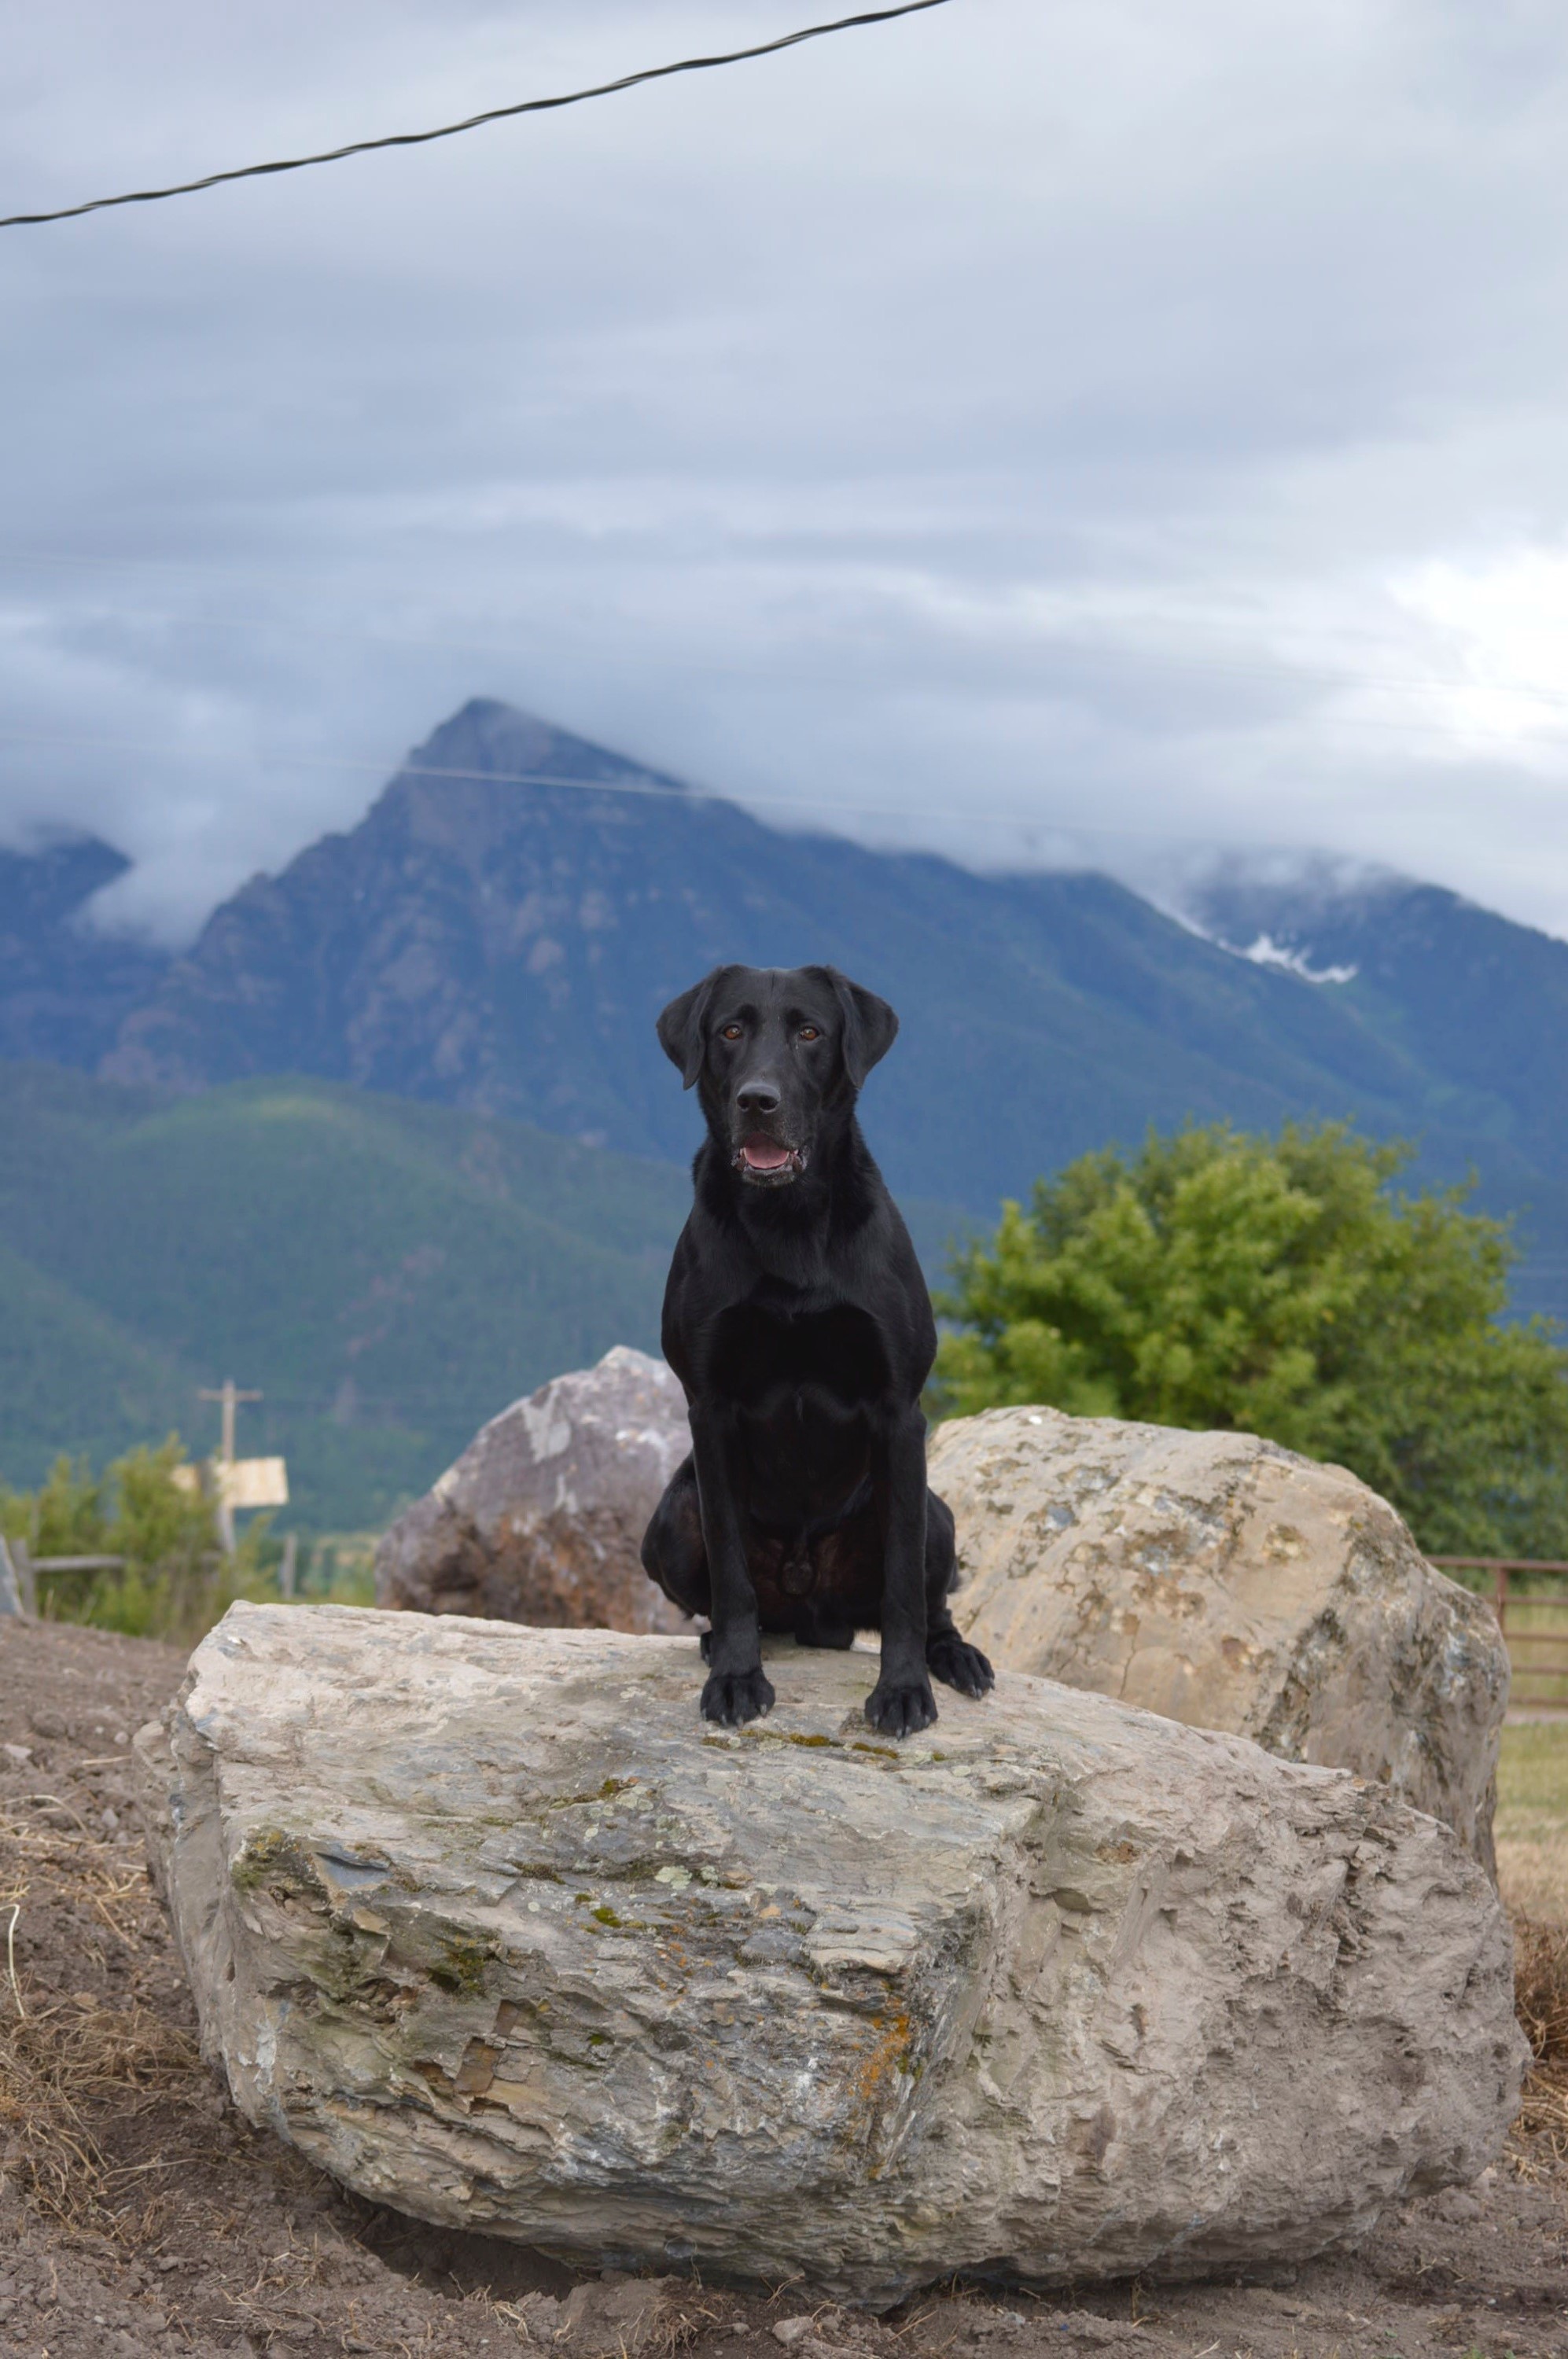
764	1154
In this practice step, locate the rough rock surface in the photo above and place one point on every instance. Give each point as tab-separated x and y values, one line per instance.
489	1925
1226	1582
541	1518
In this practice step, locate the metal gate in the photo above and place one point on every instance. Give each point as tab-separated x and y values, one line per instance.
1533	1621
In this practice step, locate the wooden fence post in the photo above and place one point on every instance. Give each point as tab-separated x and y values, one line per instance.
26	1579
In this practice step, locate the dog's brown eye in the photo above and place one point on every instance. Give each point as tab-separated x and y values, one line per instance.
809	1032
730	1032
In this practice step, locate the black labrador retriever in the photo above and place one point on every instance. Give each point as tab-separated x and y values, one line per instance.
798	1320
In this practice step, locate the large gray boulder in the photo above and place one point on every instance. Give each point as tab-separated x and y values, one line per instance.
1228	1584
491	1925
541	1518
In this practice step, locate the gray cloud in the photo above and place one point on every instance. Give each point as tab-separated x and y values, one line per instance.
1082	432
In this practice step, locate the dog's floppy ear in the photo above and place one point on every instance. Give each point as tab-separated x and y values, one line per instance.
870	1026
680	1027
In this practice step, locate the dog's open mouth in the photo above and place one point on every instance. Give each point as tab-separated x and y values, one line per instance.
768	1160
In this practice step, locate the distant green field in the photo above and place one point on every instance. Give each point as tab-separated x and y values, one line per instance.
1531	1823
387	1274
1532	1777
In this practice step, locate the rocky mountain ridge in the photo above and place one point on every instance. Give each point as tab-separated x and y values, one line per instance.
500	930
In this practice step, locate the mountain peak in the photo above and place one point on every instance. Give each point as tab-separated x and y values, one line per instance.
486	740
485	774
46	885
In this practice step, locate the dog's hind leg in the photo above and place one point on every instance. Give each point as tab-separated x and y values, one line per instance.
673	1554
949	1657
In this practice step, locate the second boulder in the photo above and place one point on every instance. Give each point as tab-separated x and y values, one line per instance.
541	1518
1222	1580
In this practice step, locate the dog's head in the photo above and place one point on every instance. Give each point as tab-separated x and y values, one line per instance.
779	1053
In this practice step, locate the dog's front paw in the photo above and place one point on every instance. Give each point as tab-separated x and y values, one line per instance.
901	1708
732	1697
959	1665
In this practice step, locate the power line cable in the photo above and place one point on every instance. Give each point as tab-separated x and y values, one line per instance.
816	814
643	784
473	122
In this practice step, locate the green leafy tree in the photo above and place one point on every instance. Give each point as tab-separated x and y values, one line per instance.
1280	1286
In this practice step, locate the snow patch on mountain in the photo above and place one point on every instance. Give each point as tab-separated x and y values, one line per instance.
1267	952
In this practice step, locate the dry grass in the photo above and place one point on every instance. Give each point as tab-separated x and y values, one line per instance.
1540	1988
57	2068
1541	2002
66	1863
64	2060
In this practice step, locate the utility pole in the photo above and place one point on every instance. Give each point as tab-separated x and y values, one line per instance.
230	1395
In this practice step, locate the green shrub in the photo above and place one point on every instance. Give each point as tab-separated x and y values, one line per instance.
175	1581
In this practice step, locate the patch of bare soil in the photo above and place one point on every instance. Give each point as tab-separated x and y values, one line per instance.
139	2214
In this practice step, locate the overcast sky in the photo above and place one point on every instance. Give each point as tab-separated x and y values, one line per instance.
1044	429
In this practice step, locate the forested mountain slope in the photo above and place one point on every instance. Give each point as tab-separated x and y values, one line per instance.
389	1275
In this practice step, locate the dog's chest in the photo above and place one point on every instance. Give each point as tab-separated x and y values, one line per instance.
772	1364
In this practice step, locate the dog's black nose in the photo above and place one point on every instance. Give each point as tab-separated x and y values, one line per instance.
758	1097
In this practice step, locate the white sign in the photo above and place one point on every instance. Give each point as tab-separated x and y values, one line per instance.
251	1482
243	1483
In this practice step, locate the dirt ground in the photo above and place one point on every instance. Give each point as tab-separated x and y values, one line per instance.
139	2214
